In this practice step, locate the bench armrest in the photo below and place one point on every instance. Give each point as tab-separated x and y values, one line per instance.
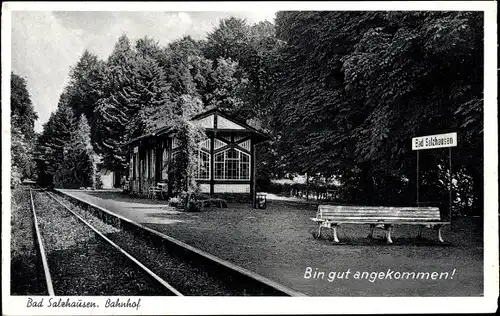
318	219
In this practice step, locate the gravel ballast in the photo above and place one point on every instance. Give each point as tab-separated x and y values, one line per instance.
82	263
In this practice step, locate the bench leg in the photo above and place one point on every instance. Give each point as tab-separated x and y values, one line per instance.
420	230
319	231
335	238
372	228
388	235
439	233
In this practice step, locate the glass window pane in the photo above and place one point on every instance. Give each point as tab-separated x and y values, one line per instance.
219	157
219	171
219	166
232	154
231	169
203	166
245	171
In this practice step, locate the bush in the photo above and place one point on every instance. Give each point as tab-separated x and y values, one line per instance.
189	202
301	189
193	205
98	181
174	202
213	203
15	178
233	197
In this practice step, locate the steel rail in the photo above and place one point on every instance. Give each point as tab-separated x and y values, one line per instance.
137	262
46	271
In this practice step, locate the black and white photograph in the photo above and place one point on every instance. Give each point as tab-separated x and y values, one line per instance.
234	154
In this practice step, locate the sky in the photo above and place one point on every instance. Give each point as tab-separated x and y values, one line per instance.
46	44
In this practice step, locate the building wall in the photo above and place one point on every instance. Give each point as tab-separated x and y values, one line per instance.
232	188
223	134
205	188
107	178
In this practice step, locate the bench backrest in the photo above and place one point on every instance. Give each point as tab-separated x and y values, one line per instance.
378	213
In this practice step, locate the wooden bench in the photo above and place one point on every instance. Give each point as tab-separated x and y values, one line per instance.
331	216
160	189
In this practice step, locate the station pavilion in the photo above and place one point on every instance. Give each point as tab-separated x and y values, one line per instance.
226	159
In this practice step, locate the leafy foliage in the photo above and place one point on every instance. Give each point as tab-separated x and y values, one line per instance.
115	109
357	86
55	136
189	135
78	167
86	86
23	117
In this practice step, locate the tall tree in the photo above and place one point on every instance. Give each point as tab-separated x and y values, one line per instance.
115	109
137	95
55	136
185	67
256	50
151	92
229	40
226	87
357	86
86	84
86	79
23	117
78	167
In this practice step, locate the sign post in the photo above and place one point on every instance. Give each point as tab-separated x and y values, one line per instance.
431	142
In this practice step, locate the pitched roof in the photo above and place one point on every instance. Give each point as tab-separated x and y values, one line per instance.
167	129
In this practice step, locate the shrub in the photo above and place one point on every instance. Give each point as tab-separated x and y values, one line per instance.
189	201
15	177
233	197
213	203
192	205
98	181
174	202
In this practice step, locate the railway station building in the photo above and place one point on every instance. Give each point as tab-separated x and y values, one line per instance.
226	159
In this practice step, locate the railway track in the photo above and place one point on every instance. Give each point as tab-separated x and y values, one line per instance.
41	249
27	273
78	259
189	270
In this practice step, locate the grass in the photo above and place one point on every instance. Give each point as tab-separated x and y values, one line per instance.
26	271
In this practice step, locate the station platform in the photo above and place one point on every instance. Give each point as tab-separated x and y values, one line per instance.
277	243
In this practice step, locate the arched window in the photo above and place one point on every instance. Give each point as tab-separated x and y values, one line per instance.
232	164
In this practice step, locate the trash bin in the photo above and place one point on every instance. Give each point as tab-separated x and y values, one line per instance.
261	200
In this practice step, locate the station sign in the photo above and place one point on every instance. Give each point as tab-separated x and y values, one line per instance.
434	141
